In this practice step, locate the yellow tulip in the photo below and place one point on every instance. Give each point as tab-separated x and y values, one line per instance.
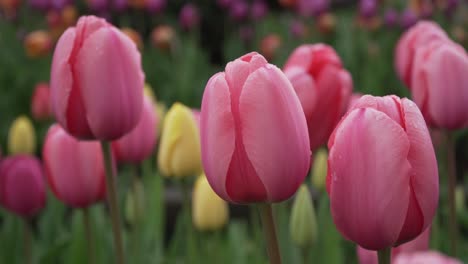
209	211
319	169
303	223
22	137
179	152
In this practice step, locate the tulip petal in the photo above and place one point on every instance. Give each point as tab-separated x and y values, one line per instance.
112	90
390	105
73	167
329	107
217	122
369	178
424	172
447	86
274	132
304	86
66	100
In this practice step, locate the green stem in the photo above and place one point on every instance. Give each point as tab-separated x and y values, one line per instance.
187	210
89	236
28	237
268	222
113	203
452	178
305	255
384	255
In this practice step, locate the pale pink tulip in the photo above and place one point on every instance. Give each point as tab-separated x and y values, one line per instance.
428	257
74	168
419	35
323	87
254	141
22	187
440	84
138	145
96	81
382	175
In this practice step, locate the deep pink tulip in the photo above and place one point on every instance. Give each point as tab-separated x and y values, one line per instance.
40	102
22	187
74	169
439	84
138	145
323	87
420	34
96	81
421	243
253	133
382	173
428	257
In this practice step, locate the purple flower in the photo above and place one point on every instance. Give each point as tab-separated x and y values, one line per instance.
39	4
297	29
155	6
59	4
408	18
258	10
98	5
391	18
367	8
120	5
312	7
189	16
224	3
239	10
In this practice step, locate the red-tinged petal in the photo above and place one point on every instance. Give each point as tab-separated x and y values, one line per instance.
112	83
424	172
138	145
304	86
369	173
447	82
390	105
300	57
328	108
62	83
217	132
274	132
74	169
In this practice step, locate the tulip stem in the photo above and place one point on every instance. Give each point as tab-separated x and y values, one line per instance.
384	255
452	178
113	203
89	236
28	237
268	222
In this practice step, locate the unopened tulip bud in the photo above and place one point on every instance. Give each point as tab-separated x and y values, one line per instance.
134	36
210	212
303	223
22	137
179	152
135	203
22	185
40	102
460	199
269	46
37	43
319	169
163	37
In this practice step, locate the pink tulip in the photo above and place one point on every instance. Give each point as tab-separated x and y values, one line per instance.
323	87
74	169
421	243
22	188
96	81
253	133
420	34
40	102
138	145
440	84
382	173
428	257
